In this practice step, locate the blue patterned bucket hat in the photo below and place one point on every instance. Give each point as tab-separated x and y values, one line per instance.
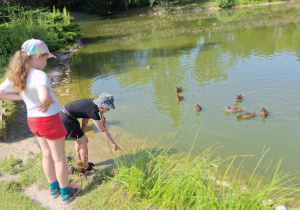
105	100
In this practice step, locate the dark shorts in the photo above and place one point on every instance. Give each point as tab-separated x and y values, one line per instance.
72	126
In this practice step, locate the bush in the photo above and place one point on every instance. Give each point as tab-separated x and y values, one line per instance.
56	29
226	3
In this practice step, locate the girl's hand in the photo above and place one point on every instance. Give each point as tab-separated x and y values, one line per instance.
44	106
116	147
44	98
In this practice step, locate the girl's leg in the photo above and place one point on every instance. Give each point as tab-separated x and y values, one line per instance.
58	154
82	150
48	164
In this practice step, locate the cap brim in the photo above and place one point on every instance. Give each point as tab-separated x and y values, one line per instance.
51	55
111	107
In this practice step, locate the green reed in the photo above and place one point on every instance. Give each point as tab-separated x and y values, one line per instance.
164	179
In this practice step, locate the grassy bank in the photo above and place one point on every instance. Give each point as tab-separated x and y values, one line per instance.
162	179
164	6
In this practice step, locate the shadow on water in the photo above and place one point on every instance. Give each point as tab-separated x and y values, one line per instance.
110	123
97	39
162	76
119	57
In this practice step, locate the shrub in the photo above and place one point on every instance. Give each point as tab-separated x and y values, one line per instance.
226	3
56	29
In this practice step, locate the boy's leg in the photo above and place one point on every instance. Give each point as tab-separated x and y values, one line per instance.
78	158
58	154
82	149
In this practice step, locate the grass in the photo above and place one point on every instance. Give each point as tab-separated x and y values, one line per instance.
167	180
173	181
11	165
10	115
11	197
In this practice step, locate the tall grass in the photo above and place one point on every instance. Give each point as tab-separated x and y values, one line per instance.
167	180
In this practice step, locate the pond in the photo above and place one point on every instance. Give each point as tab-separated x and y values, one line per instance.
214	56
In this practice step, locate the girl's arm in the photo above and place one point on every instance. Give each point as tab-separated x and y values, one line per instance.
105	133
9	96
45	98
84	124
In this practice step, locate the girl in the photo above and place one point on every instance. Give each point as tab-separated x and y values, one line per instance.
25	77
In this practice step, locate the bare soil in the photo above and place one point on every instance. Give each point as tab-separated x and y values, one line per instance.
20	142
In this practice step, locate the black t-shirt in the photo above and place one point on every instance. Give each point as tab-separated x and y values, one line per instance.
83	108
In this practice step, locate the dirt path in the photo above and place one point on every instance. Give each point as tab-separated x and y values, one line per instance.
43	199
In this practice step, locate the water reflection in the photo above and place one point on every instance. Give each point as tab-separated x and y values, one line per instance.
214	56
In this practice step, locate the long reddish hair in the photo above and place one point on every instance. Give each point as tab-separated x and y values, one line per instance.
18	70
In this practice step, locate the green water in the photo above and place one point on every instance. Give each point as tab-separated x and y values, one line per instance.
214	56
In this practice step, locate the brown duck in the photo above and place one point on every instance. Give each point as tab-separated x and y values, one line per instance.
179	98
178	89
263	112
239	98
197	108
246	115
234	109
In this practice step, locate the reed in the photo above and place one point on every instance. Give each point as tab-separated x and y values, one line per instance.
167	180
160	177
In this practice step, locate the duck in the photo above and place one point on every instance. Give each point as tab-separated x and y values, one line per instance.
239	98
197	108
179	98
263	112
246	115
178	89
148	67
233	109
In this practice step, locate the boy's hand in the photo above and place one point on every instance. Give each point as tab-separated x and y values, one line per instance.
116	147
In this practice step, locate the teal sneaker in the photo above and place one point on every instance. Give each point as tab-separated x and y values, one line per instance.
68	198
55	193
